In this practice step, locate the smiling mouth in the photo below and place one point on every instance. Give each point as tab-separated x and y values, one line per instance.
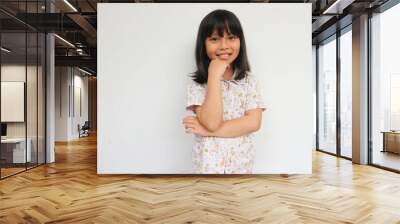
224	54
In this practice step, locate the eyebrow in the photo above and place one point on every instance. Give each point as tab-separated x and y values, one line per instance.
217	36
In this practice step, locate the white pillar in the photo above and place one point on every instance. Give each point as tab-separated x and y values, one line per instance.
50	91
360	90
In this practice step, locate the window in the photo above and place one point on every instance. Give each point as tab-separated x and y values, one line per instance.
346	93
327	96
385	88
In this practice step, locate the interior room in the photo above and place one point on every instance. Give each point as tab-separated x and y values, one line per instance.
52	77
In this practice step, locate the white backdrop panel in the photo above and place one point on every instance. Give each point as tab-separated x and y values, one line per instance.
145	53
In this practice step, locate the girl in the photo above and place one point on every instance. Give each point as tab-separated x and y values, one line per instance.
225	98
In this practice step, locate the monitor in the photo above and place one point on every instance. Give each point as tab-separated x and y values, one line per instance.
3	129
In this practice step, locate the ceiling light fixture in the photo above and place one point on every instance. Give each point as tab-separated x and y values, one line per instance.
5	50
337	7
64	40
70	5
329	9
84	71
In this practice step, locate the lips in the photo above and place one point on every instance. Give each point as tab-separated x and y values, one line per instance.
224	55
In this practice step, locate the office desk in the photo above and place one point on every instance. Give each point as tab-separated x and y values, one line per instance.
391	141
13	150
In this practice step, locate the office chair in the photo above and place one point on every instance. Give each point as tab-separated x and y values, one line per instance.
84	130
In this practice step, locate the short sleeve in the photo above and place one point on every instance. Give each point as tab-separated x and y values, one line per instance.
195	95
253	97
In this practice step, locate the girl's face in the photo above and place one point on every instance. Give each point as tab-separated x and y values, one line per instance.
224	48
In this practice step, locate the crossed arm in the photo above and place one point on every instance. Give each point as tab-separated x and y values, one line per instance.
250	122
209	116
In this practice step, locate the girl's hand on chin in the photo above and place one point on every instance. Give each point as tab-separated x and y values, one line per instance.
216	68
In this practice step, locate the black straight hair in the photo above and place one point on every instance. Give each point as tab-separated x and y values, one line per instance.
219	20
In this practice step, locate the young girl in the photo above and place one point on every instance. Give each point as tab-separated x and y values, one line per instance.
225	98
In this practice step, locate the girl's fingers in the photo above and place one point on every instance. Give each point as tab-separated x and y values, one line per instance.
189	118
190	126
188	122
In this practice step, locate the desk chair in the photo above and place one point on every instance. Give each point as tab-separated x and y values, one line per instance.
84	130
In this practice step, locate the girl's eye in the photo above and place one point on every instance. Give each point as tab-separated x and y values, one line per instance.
213	39
232	37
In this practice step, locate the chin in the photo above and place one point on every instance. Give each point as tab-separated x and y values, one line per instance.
228	59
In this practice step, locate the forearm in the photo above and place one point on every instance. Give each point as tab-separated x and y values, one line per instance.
236	127
211	115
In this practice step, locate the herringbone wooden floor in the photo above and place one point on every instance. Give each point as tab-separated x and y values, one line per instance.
70	191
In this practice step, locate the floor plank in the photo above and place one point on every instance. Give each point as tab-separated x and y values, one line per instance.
70	191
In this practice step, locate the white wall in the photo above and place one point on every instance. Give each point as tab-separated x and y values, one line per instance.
143	63
61	103
80	83
67	80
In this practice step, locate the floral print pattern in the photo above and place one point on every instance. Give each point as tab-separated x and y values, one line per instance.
214	155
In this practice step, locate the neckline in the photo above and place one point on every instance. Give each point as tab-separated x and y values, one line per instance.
233	78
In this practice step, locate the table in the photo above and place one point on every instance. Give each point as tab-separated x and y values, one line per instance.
391	141
15	148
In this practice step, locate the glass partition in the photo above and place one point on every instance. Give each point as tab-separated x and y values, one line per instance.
13	110
22	66
327	96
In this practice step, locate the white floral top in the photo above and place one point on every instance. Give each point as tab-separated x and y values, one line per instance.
216	155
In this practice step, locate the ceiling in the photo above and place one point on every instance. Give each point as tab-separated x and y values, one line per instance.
76	22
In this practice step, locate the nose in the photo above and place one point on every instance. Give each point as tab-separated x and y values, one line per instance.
224	43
